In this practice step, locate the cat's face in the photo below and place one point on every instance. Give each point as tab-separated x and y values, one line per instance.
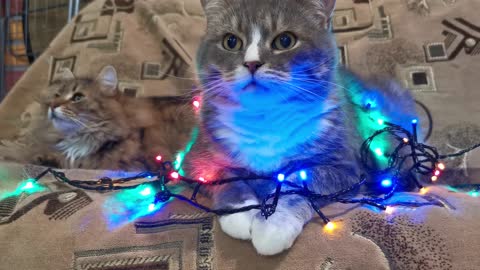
266	52
77	104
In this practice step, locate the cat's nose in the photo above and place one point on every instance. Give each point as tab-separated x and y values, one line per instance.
253	66
54	105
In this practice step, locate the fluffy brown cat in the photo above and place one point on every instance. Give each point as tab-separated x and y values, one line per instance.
87	123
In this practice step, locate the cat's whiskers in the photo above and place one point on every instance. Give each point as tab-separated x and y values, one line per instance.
213	86
326	63
197	74
187	93
277	77
310	80
276	74
283	96
67	112
77	121
308	71
302	90
285	80
74	117
96	125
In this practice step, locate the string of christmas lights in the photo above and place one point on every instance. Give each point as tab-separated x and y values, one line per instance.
424	160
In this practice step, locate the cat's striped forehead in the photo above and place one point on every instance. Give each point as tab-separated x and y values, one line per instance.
257	24
68	86
271	15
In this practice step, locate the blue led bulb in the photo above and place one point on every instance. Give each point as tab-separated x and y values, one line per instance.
303	175
386	183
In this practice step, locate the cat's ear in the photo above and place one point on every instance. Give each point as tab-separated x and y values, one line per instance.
108	80
66	75
326	8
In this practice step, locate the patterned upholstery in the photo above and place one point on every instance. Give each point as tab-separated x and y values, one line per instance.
430	46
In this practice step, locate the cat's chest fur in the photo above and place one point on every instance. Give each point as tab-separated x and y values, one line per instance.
263	139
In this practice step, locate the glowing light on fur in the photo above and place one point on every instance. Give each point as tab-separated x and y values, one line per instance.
145	192
158	158
386	183
406	140
415	121
281	177
371	104
197	103
371	119
437	173
423	191
434	178
201	179
475	194
151	207
175	175
177	165
303	175
441	166
389	210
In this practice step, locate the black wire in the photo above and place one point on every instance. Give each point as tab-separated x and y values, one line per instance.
430	120
460	153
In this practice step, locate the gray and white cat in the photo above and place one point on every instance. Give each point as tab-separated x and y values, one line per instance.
274	96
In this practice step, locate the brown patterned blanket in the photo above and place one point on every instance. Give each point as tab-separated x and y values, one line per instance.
431	46
61	227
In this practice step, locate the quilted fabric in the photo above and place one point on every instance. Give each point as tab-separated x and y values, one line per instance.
430	46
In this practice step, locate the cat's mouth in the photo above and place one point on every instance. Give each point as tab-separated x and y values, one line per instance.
51	114
251	86
55	115
57	118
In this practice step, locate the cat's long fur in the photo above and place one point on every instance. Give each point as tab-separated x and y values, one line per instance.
297	107
103	129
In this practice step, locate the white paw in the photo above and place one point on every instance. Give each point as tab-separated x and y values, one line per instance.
239	225
276	234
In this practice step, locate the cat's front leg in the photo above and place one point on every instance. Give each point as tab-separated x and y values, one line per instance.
278	233
234	196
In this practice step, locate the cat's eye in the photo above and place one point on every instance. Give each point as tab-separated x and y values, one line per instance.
232	43
77	97
284	41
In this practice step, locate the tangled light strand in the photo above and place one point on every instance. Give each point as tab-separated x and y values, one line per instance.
424	159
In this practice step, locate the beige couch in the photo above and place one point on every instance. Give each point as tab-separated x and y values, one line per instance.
152	45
